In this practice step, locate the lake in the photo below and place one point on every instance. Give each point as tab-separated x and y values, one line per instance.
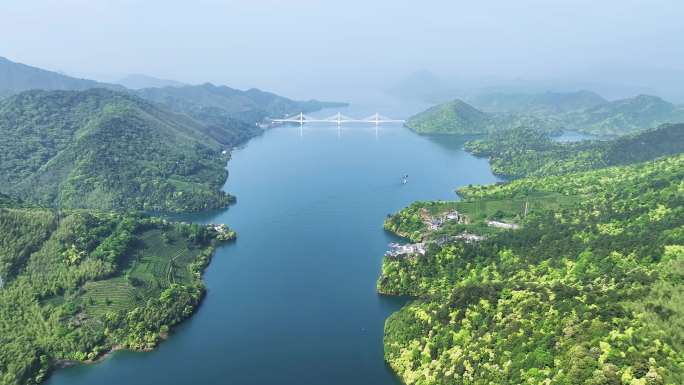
293	301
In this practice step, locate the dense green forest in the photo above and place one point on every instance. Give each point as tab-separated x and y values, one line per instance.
525	152
588	290
103	149
459	118
550	112
76	284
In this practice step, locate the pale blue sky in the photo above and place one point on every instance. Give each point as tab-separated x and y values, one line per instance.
299	46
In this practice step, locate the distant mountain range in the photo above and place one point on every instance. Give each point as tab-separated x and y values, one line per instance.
542	103
138	81
215	104
425	86
205	102
624	116
17	77
614	81
582	111
460	118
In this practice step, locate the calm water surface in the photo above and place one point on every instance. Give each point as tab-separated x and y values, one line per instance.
293	301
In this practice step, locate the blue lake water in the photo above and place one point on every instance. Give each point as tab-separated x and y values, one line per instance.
293	301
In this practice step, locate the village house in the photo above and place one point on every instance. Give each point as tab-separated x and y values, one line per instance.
465	237
435	223
396	250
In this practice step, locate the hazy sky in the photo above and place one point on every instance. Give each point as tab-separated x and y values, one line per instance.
301	47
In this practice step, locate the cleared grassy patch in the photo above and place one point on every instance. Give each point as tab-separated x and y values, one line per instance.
514	208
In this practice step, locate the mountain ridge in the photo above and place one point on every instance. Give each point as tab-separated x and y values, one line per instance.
18	77
107	150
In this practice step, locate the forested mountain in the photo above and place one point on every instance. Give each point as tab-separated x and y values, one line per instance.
105	149
539	104
17	77
525	152
624	116
586	289
459	118
230	115
215	104
453	117
76	284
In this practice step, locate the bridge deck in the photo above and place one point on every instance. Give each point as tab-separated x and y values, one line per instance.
301	118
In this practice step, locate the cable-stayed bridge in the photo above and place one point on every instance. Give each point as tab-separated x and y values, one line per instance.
338	119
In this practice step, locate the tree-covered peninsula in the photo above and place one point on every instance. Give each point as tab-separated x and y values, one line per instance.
526	152
572	279
75	284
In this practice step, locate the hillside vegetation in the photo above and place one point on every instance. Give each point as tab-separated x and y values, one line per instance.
103	149
524	152
77	284
587	291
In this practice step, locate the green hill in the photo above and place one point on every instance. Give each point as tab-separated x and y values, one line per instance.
103	149
450	118
459	118
17	77
624	116
538	104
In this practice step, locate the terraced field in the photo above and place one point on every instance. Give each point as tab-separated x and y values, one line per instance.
161	259
109	295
